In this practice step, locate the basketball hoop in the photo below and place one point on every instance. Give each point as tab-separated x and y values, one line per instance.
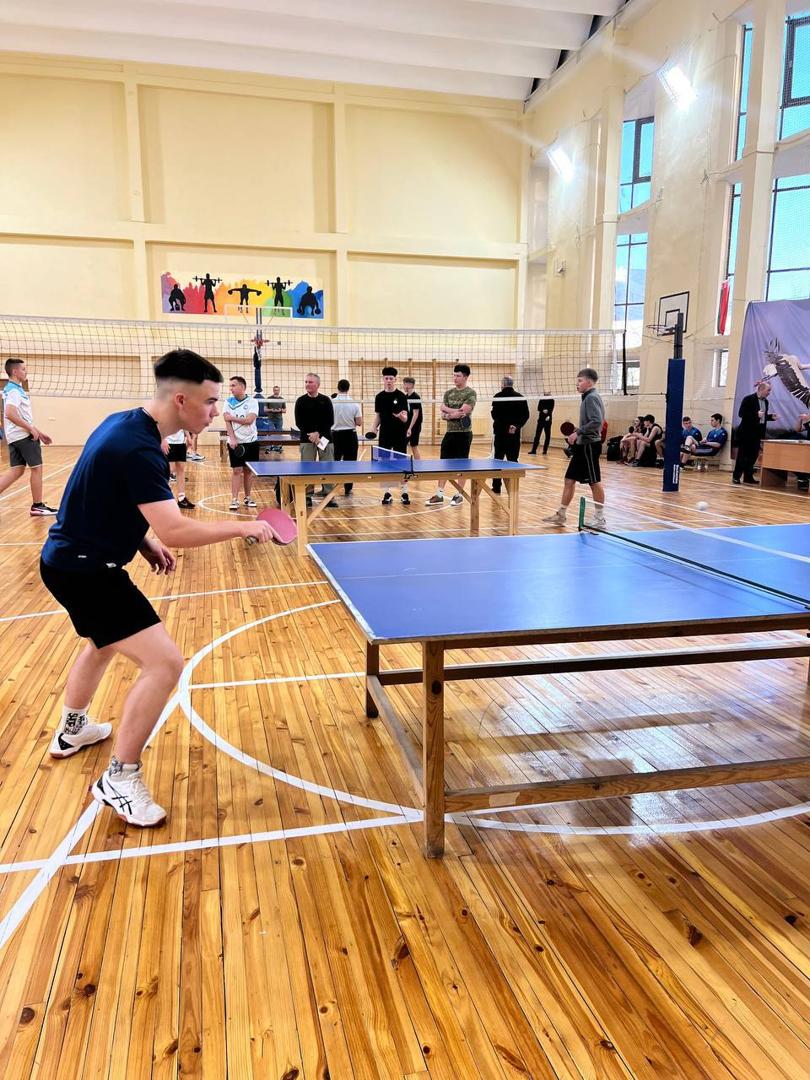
661	329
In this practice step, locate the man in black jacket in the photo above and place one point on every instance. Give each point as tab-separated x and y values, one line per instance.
754	416
314	416
545	410
508	417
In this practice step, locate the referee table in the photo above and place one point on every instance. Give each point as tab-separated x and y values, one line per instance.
490	592
295	476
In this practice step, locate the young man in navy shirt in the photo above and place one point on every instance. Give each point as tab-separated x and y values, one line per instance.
117	490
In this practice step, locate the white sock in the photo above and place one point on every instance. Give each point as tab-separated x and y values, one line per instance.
181	495
562	510
73	720
599	508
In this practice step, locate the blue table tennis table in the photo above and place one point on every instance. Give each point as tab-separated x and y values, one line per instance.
296	476
491	592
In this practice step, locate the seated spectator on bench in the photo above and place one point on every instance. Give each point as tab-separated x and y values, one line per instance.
627	447
711	445
691	436
645	451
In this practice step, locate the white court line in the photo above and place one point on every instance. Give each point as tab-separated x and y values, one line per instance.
210	842
56	860
179	596
246	759
279	679
49	476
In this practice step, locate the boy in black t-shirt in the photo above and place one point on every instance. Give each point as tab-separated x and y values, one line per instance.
415	410
391	419
119	487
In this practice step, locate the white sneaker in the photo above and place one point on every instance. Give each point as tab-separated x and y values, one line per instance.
234	504
599	521
434	500
129	797
250	503
555	519
457	500
64	745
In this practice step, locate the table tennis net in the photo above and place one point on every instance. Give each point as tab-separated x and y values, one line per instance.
380	453
742	555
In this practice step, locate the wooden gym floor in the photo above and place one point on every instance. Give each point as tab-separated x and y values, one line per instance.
284	924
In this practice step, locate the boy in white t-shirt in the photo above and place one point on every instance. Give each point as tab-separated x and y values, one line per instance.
241	412
24	439
175	447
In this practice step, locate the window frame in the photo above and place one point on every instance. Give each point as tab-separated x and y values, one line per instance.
747	44
775	191
636	178
626	304
792	23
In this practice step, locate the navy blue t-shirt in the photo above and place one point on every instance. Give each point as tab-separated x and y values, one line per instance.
121	467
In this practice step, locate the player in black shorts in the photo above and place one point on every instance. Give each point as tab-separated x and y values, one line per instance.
391	418
415	420
586	443
119	487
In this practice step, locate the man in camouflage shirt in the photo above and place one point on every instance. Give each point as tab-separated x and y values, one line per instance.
456	408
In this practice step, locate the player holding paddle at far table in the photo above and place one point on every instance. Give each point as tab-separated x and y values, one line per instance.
586	445
119	487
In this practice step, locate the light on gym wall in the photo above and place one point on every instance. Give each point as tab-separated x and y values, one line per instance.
677	85
562	163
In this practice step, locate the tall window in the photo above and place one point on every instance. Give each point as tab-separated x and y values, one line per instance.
794	114
745	79
636	163
631	274
789	251
727	288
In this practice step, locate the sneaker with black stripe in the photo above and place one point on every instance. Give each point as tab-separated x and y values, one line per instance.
39	509
124	791
66	744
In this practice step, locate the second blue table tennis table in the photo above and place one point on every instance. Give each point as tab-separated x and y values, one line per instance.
296	476
490	592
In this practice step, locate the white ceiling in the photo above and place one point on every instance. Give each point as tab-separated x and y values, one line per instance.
484	47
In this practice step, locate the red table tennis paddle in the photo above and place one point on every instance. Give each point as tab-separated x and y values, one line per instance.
566	429
284	528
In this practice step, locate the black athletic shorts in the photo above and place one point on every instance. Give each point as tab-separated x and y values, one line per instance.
251	453
393	440
413	438
456	444
583	465
25	451
177	452
103	604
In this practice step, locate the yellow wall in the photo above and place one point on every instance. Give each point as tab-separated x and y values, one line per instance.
406	207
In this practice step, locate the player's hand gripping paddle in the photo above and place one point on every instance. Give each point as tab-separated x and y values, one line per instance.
566	429
284	528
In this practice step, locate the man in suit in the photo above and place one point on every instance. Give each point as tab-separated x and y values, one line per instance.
508	417
545	409
754	416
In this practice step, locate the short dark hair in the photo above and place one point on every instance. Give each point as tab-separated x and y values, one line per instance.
588	373
650	417
717	416
689	418
187	366
390	371
343	385
409	379
11	363
462	369
238	378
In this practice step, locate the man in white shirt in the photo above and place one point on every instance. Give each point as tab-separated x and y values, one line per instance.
348	418
24	439
240	416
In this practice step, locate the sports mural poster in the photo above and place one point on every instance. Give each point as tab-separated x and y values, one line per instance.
202	294
776	347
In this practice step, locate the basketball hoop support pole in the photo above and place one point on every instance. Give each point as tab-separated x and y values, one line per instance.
258	342
676	369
